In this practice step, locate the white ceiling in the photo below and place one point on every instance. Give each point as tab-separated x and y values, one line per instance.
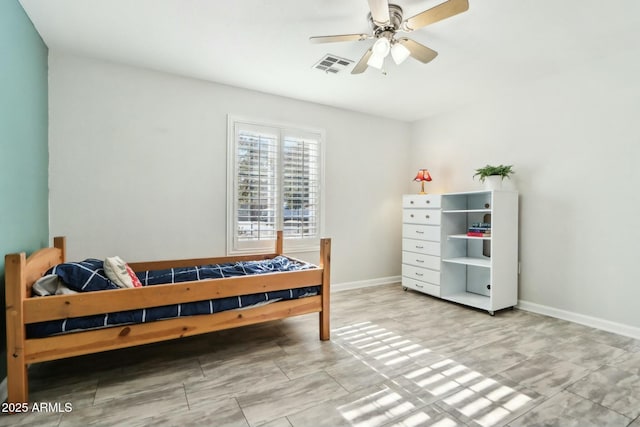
263	45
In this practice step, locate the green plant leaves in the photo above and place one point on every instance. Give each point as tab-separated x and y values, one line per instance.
502	170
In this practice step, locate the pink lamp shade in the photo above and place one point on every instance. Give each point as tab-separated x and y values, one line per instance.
422	176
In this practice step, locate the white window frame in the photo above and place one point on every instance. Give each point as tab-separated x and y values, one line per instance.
291	245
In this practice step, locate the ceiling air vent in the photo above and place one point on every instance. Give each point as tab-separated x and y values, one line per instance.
332	64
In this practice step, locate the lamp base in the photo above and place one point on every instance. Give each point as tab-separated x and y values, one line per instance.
422	188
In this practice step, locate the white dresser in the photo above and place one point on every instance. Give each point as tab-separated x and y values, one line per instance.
443	256
421	242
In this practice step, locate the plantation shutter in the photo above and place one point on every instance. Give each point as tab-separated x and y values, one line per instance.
301	185
256	190
275	184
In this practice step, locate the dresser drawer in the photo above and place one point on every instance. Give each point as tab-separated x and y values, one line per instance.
419	286
421	246
421	232
421	201
421	216
422	274
420	260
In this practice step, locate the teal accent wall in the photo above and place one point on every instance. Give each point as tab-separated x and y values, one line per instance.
24	153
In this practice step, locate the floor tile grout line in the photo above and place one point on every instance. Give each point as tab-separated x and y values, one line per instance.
244	415
186	397
597	403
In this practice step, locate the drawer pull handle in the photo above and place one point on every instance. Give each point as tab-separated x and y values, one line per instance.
419	232
419	274
418	286
419	260
411	215
428	201
411	202
419	247
426	216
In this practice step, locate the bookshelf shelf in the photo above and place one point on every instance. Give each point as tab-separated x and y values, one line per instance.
464	236
482	302
478	262
467	211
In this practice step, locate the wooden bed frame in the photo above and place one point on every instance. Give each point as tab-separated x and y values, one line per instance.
22	271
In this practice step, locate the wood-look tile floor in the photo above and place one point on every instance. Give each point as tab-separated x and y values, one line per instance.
395	359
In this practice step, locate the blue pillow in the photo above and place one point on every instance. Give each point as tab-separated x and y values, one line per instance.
84	276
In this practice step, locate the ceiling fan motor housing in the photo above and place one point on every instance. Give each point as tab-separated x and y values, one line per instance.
395	20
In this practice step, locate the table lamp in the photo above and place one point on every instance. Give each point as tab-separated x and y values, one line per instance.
422	176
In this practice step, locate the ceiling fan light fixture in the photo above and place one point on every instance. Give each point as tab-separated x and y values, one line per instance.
399	53
376	61
381	47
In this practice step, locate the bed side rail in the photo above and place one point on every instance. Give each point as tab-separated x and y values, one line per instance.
99	302
179	263
68	345
166	264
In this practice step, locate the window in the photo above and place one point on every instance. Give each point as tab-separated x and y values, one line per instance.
274	183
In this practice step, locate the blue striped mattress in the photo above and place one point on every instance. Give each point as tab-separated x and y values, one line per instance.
178	275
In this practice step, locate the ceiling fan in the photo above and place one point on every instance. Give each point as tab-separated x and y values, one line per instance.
386	20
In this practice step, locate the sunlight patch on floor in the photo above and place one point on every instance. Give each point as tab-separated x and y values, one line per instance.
466	391
375	409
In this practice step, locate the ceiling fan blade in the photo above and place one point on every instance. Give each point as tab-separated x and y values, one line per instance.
380	12
438	13
339	38
418	51
361	66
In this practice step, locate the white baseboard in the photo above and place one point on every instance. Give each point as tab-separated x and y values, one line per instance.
338	287
594	322
3	390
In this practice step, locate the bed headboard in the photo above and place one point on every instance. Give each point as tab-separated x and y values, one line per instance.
22	271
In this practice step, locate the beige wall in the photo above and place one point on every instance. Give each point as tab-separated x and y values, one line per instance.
138	167
131	148
574	140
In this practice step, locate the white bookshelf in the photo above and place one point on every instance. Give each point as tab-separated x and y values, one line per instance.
481	272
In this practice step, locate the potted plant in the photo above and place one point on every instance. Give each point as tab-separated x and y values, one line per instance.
494	175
